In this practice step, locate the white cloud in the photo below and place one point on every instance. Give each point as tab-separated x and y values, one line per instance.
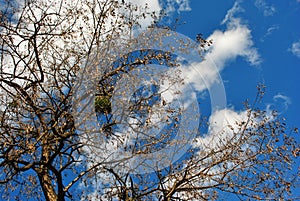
153	6
295	49
227	129
183	5
221	119
235	41
269	31
177	5
280	104
222	126
287	100
231	12
268	10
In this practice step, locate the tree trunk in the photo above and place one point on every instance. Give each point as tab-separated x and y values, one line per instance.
46	184
45	178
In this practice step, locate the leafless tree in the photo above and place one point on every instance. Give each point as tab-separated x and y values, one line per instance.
45	47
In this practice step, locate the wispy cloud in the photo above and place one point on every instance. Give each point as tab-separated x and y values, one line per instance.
231	12
280	104
287	100
269	31
295	49
177	5
268	10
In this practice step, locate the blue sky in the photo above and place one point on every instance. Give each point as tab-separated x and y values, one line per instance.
275	33
270	32
254	42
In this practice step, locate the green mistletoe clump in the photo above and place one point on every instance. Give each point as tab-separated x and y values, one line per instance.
102	104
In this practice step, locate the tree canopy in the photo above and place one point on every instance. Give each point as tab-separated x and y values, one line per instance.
78	81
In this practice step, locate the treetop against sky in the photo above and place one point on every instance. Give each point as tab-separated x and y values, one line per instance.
149	100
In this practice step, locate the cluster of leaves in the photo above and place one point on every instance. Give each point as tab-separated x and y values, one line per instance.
102	104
